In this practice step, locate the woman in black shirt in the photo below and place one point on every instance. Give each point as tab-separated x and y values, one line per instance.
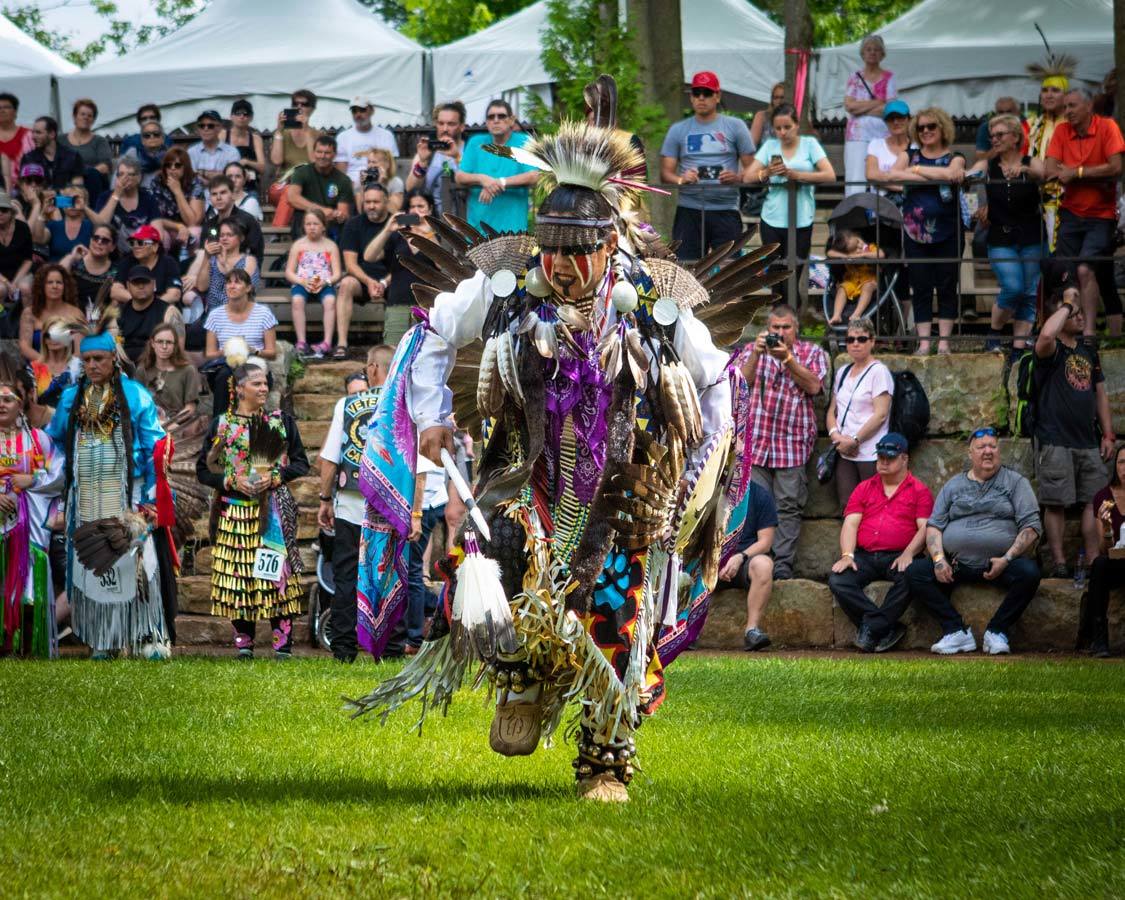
391	245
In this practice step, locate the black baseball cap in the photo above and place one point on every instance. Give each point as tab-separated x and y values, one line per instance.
209	114
140	273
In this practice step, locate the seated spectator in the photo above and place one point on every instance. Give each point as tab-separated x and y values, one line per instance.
143	312
321	186
363	281
60	165
884	529
985	148
243	200
147	114
208	277
149	152
163	369
92	149
221	191
751	566
60	234
1071	407
353	145
92	267
53	295
1085	156
57	367
179	199
498	187
381	170
883	152
859	414
983	523
248	142
240	317
210	155
15	139
16	251
127	206
439	156
1105	573
146	252
390	246
313	269
860	279
1011	215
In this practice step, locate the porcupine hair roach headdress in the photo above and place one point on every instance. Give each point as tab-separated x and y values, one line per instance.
1056	70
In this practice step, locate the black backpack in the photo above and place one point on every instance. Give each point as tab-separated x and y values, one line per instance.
910	408
1026	412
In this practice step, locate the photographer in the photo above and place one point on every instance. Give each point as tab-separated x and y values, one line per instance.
784	374
381	170
363	281
439	154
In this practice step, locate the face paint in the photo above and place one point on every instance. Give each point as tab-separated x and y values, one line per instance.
574	276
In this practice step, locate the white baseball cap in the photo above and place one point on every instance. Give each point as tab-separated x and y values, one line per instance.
362	101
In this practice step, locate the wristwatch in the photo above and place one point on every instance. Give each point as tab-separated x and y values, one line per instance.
324	499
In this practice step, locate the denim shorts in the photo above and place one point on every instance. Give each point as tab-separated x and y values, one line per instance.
298	291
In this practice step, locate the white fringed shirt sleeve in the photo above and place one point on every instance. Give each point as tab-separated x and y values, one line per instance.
707	365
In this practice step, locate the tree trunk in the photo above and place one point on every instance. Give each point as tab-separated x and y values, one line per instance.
799	36
1119	60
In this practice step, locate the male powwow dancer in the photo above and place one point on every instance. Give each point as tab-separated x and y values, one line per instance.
608	454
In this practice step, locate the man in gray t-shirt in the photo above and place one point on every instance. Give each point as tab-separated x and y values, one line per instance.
712	152
984	520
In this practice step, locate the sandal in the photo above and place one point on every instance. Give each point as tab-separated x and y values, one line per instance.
321	350
302	348
340	352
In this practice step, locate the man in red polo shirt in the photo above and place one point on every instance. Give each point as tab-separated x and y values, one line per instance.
1085	156
884	529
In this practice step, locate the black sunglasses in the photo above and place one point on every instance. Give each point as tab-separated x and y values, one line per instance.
101	239
207	125
702	92
983	432
929	126
856	339
496	117
151	134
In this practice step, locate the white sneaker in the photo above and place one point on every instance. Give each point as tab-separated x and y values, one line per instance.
957	642
995	643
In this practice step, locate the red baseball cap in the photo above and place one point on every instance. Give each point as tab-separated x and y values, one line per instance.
707	80
145	233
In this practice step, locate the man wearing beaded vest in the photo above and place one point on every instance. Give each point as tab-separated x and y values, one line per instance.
606	462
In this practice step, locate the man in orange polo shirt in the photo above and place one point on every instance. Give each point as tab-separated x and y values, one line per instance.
1085	157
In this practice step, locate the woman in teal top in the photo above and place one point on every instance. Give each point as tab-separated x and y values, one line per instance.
789	157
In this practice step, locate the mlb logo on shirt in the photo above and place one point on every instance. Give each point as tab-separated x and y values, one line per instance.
695	142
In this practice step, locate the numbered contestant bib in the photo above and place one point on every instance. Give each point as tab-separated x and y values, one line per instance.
118	585
268	564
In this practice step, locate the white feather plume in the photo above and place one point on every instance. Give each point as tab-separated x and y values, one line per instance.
481	624
236	351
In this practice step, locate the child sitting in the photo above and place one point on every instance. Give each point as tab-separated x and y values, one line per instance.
859	281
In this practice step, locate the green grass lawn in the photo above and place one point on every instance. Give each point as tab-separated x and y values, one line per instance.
764	776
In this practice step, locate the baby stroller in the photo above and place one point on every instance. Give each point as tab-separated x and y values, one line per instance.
322	592
877	220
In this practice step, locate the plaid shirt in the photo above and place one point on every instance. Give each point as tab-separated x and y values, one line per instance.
782	419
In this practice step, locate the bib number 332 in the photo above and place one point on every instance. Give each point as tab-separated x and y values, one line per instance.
267	565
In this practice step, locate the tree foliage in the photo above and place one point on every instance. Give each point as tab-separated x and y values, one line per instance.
841	21
436	22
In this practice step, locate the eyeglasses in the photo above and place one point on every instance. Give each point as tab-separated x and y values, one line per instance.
162	342
983	432
202	125
856	339
101	239
996	135
496	117
137	243
928	126
702	92
151	134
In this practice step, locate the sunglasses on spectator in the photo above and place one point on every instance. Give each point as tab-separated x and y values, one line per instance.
101	239
856	339
983	432
240	112
203	125
895	117
151	134
702	92
928	126
136	243
497	117
174	164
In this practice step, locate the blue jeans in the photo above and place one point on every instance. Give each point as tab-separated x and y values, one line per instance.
419	597
1017	270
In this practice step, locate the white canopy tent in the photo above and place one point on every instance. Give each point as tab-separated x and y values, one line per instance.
262	50
27	69
963	54
730	37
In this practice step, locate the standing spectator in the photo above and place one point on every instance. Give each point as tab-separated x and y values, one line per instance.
239	317
362	281
292	147
353	144
709	149
761	126
92	149
438	157
421	602
867	90
149	151
342	506
1109	506
498	187
221	191
391	246
789	158
321	186
53	295
1011	215
751	566
92	266
784	375
381	170
248	142
930	218
143	312
884	529
1054	78
243	200
1085	157
1070	406
127	206
179	199
210	155
60	165
63	234
15	139
984	521
146	252
313	270
1004	106
860	411
16	251
883	153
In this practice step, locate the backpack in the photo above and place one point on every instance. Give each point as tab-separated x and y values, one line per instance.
910	408
1026	412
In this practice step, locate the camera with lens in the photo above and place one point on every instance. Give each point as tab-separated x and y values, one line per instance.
371	176
773	340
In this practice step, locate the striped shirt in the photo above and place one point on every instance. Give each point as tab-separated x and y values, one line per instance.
260	320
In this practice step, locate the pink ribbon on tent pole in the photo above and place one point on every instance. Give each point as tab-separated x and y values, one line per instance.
801	76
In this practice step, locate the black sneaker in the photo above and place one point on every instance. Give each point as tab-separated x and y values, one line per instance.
891	638
1059	570
755	639
864	639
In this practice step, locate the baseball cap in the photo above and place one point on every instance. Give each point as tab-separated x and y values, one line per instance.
241	106
208	114
6	201
362	101
707	80
32	170
145	233
891	445
141	273
896	108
